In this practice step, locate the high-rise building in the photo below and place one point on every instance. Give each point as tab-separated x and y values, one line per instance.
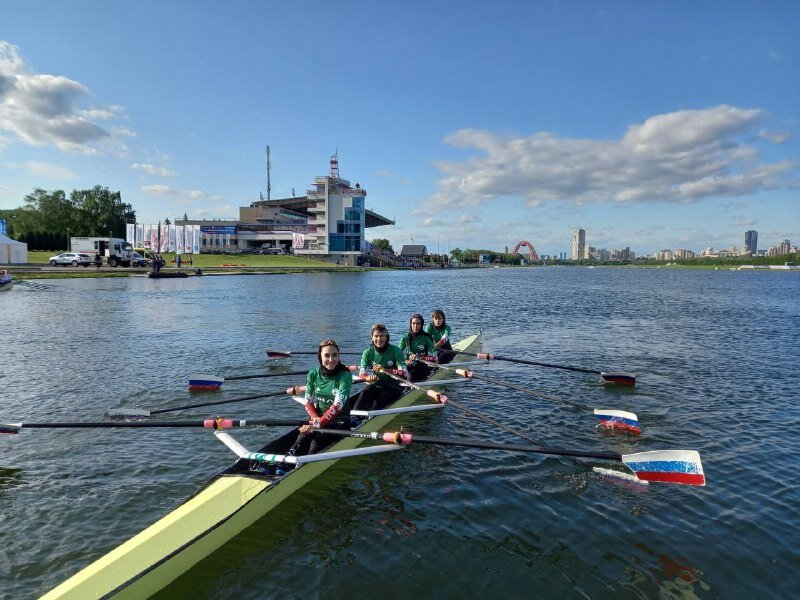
578	244
751	242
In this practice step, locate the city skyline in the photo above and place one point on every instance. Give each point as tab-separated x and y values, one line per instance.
652	126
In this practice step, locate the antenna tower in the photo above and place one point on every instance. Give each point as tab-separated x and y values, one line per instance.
335	164
269	166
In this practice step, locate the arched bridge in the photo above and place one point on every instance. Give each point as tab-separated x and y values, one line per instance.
534	256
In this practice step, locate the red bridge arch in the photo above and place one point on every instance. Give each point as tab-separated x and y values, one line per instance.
534	256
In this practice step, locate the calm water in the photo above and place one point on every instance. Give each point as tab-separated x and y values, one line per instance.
715	352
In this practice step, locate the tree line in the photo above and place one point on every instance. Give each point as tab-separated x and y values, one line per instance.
47	219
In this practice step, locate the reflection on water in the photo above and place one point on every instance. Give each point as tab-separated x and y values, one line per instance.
715	372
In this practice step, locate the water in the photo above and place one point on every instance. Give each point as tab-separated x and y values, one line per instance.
715	354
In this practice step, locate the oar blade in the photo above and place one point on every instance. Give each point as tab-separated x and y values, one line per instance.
125	413
199	382
279	354
619	378
667	466
618	419
10	427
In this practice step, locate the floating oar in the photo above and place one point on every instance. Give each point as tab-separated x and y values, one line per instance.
667	466
201	382
289	353
215	424
611	418
140	412
619	377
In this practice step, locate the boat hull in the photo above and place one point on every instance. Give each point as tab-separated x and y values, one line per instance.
232	501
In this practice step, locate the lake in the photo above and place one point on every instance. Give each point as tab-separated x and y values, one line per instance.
716	358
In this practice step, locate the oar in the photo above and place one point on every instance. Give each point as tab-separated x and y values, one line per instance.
436	396
289	353
667	466
611	418
619	377
215	424
200	382
140	412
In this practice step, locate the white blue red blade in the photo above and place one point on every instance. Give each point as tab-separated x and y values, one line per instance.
279	353
668	466
618	419
205	382
10	427
619	377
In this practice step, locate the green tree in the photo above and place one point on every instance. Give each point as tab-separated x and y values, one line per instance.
100	212
383	244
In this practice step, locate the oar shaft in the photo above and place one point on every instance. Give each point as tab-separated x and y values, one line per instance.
216	402
206	423
407	438
264	375
532	362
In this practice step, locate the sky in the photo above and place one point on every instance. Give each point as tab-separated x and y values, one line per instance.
651	125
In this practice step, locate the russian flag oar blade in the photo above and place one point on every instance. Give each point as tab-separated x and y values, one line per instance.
668	466
618	419
200	382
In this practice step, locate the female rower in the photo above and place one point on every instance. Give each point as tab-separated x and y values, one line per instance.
327	392
418	343
439	330
384	390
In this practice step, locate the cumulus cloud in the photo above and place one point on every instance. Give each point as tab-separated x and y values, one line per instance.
158	189
40	109
680	157
152	169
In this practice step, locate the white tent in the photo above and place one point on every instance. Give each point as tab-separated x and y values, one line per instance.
12	252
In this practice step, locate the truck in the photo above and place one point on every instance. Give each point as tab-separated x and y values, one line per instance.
115	251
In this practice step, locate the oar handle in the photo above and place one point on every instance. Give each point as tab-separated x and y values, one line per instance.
433	394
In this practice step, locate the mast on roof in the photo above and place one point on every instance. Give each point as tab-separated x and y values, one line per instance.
269	166
335	164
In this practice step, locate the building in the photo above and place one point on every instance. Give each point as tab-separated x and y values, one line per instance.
413	254
579	244
328	223
751	242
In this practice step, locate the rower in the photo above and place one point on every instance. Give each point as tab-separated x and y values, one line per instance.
418	343
326	395
439	330
381	354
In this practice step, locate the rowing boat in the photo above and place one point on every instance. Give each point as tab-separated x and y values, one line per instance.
231	501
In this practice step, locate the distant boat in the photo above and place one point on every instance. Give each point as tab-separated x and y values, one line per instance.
167	274
5	280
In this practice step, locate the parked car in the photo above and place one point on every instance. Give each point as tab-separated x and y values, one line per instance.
71	258
137	260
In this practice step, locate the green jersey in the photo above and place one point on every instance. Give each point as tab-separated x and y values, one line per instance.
391	358
324	392
421	344
441	336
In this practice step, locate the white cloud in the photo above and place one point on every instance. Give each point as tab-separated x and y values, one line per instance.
152	169
779	137
680	157
50	171
158	189
40	109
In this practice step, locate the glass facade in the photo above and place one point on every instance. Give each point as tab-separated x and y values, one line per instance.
349	235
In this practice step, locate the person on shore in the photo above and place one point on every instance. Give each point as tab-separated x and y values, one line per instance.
418	343
98	260
191	262
439	330
178	261
327	392
382	389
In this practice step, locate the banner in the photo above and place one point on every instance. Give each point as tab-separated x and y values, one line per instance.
130	233
172	232
179	238
3	228
139	243
196	240
298	240
154	229
227	240
164	238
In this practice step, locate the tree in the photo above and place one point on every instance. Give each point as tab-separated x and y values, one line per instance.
383	244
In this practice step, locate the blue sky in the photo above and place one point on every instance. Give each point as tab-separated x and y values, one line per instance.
475	125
